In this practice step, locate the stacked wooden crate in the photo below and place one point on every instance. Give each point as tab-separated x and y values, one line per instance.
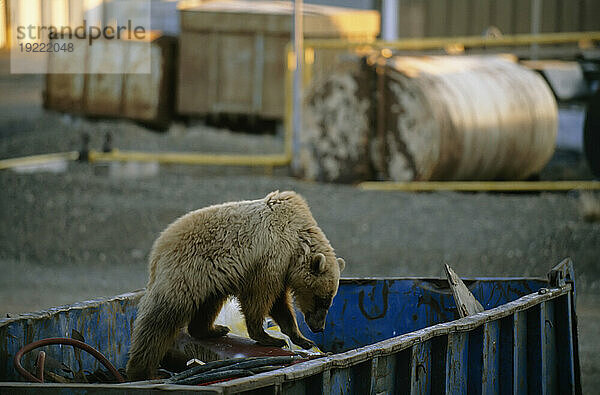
232	57
129	91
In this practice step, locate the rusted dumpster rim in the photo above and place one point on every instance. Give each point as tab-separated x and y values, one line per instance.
342	360
138	293
75	306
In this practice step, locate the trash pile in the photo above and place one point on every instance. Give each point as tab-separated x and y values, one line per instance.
188	362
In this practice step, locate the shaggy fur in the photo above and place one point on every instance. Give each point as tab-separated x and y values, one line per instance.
261	251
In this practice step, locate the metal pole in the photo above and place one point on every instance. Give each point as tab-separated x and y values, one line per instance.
389	20
536	18
297	37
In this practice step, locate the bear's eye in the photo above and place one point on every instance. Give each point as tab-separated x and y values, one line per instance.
322	303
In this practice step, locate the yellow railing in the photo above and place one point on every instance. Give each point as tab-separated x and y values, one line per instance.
473	186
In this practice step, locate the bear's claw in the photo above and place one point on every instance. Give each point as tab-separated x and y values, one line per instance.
272	341
215	331
218	331
304	343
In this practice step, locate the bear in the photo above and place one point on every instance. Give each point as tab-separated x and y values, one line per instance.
264	252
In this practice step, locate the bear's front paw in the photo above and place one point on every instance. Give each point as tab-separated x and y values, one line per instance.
272	341
218	331
304	343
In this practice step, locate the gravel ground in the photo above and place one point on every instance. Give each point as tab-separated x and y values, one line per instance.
86	232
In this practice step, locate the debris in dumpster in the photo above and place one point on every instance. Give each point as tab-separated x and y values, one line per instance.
231	368
466	304
209	377
78	376
62	341
194	362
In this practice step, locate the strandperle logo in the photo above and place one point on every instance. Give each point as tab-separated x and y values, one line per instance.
82	32
80	37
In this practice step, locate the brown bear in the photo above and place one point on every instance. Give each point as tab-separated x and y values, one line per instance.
261	251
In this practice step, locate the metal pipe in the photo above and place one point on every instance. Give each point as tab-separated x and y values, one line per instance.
66	341
419	44
389	19
479	186
190	158
536	22
298	37
38	159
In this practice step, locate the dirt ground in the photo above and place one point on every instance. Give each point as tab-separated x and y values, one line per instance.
71	235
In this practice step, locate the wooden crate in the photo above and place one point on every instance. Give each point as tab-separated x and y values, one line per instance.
232	53
147	98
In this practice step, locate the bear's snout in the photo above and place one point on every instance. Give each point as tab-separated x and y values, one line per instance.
316	320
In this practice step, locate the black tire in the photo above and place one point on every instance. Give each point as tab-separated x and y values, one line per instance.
591	134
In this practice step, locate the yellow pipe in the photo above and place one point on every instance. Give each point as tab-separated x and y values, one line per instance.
190	159
416	44
475	186
37	159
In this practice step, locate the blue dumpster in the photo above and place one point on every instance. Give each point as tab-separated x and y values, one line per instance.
386	335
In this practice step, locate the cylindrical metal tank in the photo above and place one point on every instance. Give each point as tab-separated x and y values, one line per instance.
435	118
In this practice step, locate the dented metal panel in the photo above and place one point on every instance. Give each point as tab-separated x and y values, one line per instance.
104	323
382	308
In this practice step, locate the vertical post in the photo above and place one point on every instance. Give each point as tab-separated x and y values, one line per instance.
389	20
297	90
536	20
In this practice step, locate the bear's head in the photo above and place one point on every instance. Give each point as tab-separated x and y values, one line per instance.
318	287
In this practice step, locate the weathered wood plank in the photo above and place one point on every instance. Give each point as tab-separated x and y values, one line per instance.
457	363
466	304
548	348
420	369
520	352
491	358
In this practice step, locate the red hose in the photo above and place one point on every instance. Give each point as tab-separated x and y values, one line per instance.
65	341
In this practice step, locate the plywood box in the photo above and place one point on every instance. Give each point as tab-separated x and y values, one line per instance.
232	53
144	97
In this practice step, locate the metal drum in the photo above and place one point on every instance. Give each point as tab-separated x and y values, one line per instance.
431	118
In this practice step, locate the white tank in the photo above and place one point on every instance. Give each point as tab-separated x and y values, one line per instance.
429	118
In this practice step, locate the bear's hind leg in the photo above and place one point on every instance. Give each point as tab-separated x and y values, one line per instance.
201	326
155	329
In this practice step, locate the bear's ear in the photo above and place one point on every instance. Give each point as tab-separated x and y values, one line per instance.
341	263
318	263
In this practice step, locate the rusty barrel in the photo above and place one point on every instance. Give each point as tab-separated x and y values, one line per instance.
428	118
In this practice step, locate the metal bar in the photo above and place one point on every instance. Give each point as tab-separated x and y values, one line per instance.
475	376
536	22
259	59
383	375
548	348
564	343
326	382
506	355
420	369
520	353
465	41
37	159
457	363
491	359
190	159
298	38
419	186
535	339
